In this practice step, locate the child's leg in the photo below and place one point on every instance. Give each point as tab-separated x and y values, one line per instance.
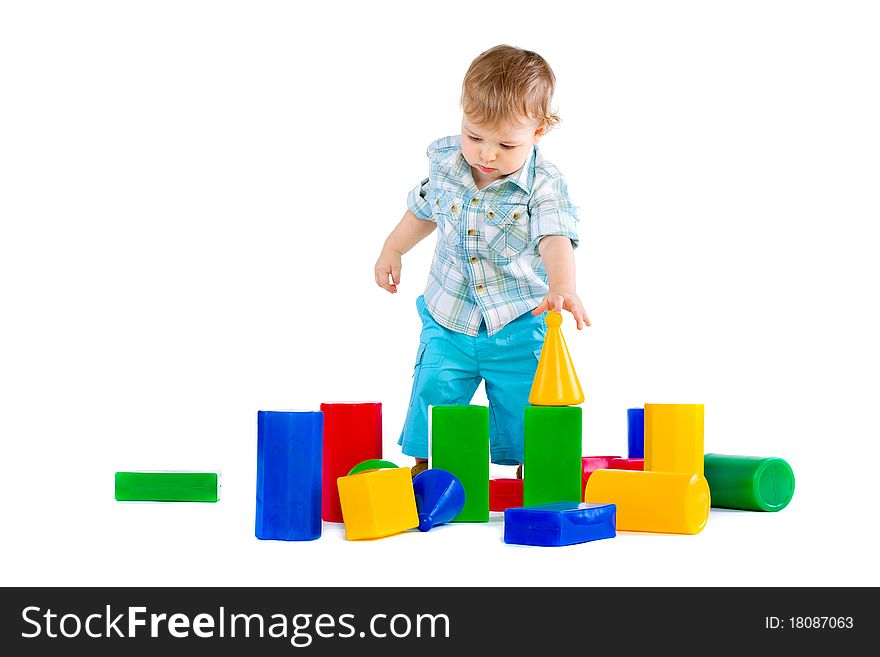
508	361
445	372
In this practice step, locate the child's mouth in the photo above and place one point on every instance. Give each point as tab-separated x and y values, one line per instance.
485	169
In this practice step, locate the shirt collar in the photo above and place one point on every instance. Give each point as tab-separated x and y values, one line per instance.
524	178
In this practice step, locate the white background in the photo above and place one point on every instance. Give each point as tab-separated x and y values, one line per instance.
193	195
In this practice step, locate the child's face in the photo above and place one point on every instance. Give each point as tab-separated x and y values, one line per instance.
497	151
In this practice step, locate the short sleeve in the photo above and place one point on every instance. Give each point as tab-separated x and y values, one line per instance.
419	200
551	209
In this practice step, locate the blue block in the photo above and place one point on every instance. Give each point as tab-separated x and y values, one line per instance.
635	422
440	497
559	523
289	447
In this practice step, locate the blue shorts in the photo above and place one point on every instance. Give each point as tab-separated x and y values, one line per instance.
448	370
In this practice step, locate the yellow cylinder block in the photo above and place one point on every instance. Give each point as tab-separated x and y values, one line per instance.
661	502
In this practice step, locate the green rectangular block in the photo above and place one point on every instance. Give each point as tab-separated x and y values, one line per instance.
167	487
460	445
552	469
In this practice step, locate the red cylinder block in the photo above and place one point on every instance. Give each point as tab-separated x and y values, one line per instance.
505	494
627	464
352	434
591	463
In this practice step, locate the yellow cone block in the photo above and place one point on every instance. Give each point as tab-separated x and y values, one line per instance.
556	382
674	438
377	503
661	502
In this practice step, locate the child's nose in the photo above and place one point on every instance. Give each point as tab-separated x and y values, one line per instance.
488	154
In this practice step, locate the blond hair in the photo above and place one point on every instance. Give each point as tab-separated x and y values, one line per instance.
506	84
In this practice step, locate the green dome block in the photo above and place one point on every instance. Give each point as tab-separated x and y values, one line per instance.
372	464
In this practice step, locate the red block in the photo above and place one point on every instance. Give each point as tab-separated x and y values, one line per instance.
505	493
352	433
591	463
627	464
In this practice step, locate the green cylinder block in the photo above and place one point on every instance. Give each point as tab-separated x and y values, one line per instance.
751	483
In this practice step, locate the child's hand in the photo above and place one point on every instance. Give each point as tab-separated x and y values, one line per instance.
567	300
387	270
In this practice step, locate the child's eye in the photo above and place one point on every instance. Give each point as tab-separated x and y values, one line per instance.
474	138
507	146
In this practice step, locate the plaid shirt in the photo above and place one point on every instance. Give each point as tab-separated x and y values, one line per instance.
486	266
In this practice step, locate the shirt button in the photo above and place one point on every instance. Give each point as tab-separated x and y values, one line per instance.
437	202
479	288
516	215
471	231
474	201
473	261
491	215
454	208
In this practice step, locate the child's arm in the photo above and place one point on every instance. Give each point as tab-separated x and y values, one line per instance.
410	231
558	256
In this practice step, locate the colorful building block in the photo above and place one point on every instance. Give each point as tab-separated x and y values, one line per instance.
590	464
556	382
663	502
552	454
505	493
635	432
627	464
459	437
559	523
289	475
155	486
439	497
377	503
674	438
352	434
372	464
752	483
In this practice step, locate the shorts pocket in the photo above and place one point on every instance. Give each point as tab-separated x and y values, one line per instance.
426	358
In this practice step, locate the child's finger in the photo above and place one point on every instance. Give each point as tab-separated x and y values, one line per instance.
581	316
382	280
381	277
541	308
395	275
575	309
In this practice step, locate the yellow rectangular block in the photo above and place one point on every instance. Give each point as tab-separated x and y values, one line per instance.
674	438
377	503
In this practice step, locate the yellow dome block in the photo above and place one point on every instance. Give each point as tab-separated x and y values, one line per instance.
556	382
661	502
377	503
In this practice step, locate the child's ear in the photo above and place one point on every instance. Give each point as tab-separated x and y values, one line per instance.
540	131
